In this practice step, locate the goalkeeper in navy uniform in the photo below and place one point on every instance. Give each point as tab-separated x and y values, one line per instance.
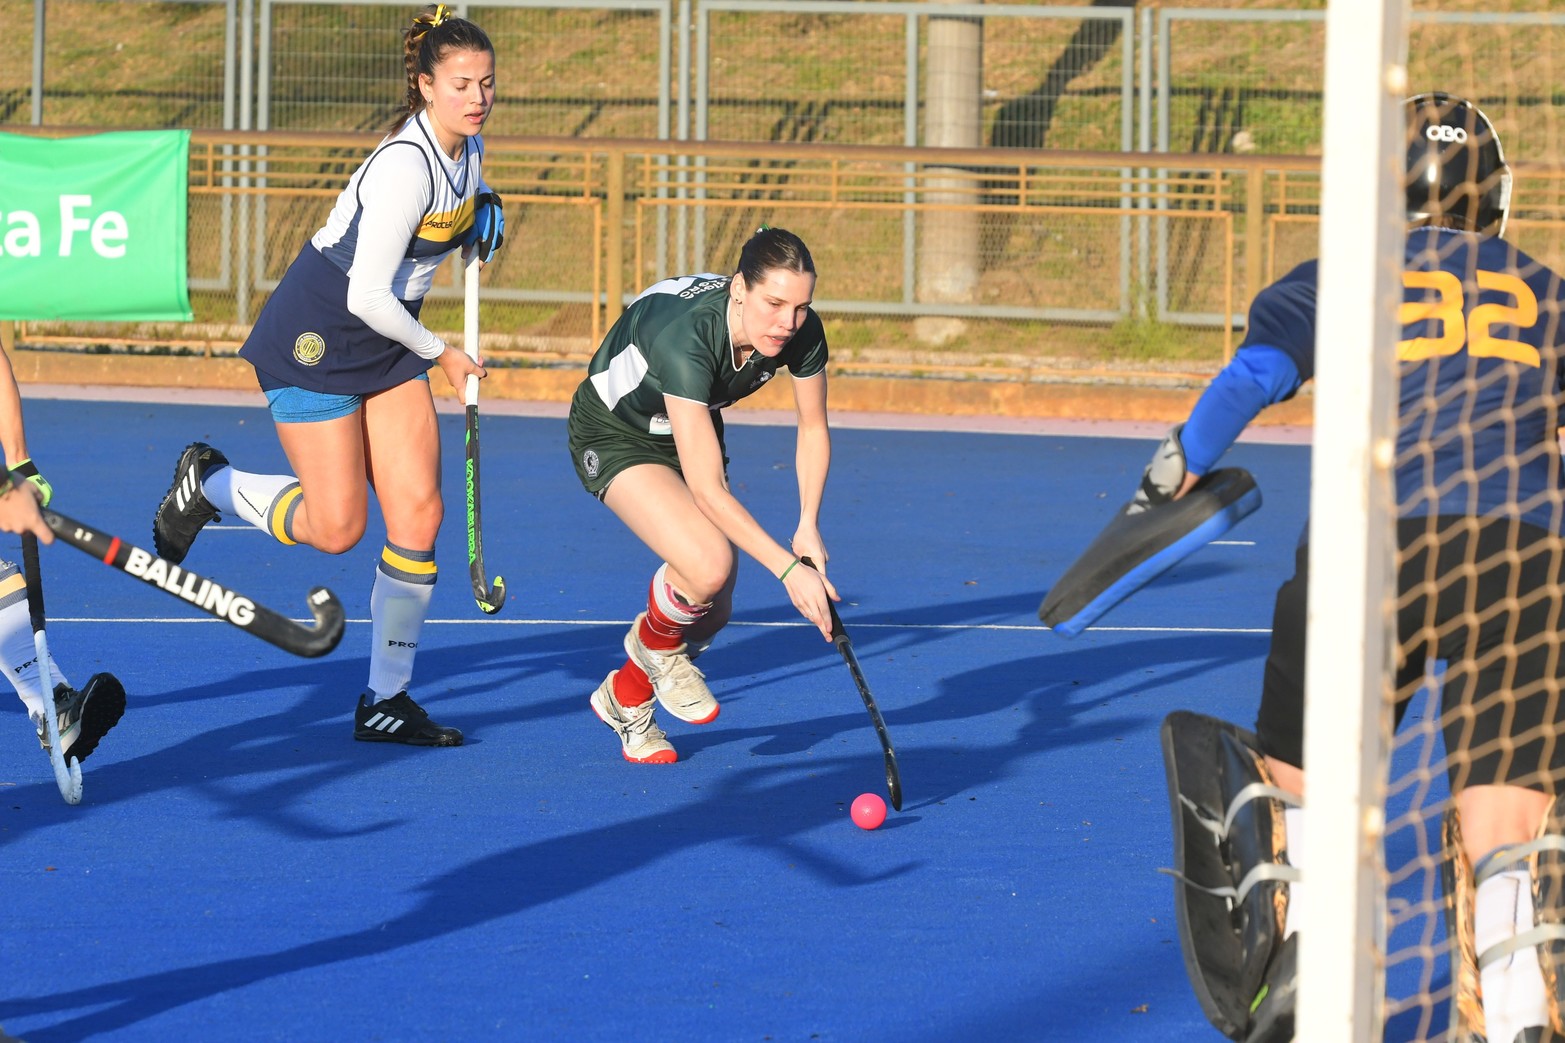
84	716
646	437
1479	493
343	360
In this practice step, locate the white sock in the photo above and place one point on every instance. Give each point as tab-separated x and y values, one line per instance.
1293	825
253	497
1513	993
404	583
18	654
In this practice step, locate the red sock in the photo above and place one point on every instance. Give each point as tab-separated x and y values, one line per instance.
658	632
668	616
631	685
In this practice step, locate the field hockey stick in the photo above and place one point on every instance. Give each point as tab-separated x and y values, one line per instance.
69	779
210	597
839	637
490	598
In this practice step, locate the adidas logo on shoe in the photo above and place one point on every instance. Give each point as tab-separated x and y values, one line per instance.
400	719
185	508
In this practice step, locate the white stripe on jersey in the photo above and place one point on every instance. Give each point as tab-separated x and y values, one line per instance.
677	285
623	376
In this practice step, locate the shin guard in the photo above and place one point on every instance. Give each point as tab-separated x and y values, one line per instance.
1232	877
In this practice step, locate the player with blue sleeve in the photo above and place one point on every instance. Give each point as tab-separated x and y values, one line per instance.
1479	489
1260	375
1275	359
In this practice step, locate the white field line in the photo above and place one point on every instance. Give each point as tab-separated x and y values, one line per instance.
160	620
258	532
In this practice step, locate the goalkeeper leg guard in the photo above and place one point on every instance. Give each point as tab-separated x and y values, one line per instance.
1497	914
1548	904
1467	1022
1233	875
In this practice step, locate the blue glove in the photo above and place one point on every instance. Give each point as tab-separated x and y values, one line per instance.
28	471
488	225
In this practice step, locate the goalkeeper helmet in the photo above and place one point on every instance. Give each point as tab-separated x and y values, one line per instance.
1456	171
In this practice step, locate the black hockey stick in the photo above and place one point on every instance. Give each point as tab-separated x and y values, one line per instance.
490	598
213	599
69	779
839	637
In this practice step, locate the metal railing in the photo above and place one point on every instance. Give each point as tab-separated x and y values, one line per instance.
589	226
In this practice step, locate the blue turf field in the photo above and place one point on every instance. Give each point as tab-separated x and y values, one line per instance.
240	869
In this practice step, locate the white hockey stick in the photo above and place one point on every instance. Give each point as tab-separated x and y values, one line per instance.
69	779
490	596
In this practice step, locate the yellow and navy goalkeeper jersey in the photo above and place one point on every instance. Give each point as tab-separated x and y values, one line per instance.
1481	376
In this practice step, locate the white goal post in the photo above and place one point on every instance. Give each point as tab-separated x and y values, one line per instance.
1341	963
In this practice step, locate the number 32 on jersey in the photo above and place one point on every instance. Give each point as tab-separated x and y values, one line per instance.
1443	303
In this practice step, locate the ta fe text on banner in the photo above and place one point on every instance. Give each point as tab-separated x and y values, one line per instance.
93	227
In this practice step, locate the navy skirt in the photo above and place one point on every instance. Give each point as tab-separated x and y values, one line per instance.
307	338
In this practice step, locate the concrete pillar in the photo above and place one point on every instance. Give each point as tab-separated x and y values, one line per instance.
948	258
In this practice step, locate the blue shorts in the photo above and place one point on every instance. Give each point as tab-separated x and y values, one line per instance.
297	406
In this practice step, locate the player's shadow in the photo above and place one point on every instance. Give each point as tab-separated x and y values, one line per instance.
522	880
270	755
511	883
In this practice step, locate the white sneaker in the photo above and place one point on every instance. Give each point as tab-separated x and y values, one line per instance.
642	740
678	684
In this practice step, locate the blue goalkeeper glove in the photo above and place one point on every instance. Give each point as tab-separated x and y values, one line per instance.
488	225
28	471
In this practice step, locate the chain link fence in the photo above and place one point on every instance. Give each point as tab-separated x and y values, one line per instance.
1142	256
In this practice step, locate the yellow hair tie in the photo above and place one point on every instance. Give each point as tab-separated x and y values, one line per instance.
430	21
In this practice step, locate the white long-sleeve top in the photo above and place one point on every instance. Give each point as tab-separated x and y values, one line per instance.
402	213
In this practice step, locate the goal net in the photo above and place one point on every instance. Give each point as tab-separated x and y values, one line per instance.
1434	653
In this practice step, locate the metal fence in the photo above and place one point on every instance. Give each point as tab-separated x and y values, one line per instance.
1158	77
592	222
1110	191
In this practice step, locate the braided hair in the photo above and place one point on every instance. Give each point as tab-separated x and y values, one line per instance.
435	31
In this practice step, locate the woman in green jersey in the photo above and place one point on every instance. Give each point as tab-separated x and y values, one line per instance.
646	436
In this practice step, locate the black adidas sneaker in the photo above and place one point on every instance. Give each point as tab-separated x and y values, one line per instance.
185	508
400	719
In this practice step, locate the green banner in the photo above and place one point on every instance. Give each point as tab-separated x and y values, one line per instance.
94	227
